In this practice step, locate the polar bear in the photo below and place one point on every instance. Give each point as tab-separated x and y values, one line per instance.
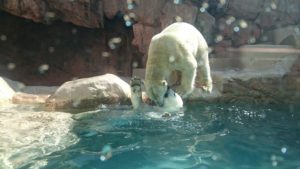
172	102
179	47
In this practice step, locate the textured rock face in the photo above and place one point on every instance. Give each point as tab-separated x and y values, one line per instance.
89	93
82	12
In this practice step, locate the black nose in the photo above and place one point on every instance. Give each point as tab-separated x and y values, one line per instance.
167	92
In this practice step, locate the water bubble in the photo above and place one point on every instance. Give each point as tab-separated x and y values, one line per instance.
178	19
76	103
135	64
274	163
202	9
230	20
273	6
222	2
251	40
264	38
51	49
268	9
205	5
43	68
171	59
283	150
252	137
132	15
106	153
130	6
74	31
236	29
126	17
114	42
20	85
128	23
243	24
297	30
11	66
214	157
105	54
3	37
218	38
50	14
177	1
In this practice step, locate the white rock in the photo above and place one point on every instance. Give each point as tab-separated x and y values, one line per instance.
6	92
90	92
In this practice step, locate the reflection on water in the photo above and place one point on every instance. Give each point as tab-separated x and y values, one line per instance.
206	136
26	133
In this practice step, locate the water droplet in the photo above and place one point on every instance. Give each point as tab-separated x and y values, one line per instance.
202	9
251	40
20	85
273	6
214	157
114	42
74	31
230	20
132	15
273	157
218	38
205	5
135	64
51	49
222	2
171	59
106	153
268	9
243	24
274	163
76	103
105	54
297	30
130	6
3	37
178	19
177	1
126	17
50	14
43	68
128	23
283	150
236	29
252	137
11	66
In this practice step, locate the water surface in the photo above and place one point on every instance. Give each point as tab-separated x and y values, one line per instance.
204	136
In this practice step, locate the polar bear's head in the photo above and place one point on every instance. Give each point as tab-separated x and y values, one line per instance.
156	91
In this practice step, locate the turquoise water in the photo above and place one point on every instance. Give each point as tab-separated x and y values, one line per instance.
205	136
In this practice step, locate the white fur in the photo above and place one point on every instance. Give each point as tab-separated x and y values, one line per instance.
179	47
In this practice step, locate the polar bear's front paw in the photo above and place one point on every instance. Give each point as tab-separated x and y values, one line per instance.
207	88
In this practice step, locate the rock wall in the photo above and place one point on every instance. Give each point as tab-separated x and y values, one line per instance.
112	36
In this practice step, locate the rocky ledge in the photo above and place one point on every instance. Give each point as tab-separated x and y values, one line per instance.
260	76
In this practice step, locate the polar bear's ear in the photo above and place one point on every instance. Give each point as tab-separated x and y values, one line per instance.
164	83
